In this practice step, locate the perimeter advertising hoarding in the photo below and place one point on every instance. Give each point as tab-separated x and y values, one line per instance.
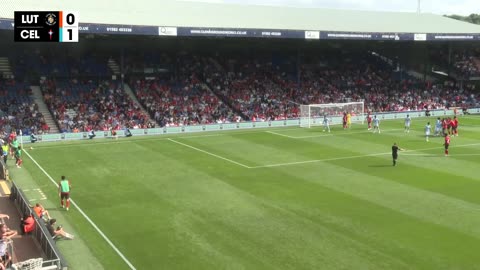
116	29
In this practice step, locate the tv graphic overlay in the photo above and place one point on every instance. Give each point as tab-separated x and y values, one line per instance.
46	26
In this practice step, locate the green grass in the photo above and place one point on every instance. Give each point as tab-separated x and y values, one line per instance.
252	199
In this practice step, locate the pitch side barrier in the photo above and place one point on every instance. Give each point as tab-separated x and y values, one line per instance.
54	259
335	120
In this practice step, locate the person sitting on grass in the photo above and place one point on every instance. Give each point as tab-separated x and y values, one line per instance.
33	138
91	134
114	134
128	133
40	211
58	233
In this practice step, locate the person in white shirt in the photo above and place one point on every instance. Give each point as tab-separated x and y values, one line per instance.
408	122
326	124
438	127
376	124
428	128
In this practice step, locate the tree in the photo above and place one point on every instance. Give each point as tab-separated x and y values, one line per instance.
472	18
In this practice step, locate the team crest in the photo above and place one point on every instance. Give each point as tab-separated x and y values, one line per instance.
51	19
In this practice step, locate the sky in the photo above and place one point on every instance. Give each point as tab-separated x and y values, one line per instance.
442	7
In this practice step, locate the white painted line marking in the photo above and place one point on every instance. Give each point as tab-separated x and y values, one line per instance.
86	217
340	133
156	137
351	157
317	160
211	154
280	134
451	155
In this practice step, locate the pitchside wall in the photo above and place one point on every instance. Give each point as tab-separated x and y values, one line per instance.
236	126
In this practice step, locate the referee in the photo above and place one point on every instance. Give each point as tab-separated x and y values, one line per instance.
395	150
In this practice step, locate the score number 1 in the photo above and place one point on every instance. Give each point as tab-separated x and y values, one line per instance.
68	26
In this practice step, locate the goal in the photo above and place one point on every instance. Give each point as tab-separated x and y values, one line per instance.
312	115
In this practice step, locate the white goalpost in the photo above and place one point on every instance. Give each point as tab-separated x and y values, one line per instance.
313	114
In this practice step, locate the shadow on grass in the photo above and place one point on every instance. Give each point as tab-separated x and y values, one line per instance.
380	165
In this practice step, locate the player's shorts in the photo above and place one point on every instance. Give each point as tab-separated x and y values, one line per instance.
65	195
394	156
427	133
454	128
446	146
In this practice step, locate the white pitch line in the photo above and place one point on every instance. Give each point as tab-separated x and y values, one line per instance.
329	134
350	157
157	137
452	155
280	134
317	160
211	154
130	265
470	117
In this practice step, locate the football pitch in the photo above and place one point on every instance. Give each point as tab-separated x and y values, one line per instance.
280	198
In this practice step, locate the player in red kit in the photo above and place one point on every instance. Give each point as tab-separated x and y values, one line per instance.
455	126
369	121
344	120
444	126
446	144
449	126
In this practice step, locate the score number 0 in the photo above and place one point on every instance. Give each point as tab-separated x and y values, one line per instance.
69	27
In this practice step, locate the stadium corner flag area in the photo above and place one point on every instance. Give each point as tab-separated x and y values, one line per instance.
228	138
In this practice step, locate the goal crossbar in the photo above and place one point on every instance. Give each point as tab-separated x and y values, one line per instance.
314	114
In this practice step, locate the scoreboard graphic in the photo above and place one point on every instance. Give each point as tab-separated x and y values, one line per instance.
46	26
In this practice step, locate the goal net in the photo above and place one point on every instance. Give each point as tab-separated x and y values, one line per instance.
312	115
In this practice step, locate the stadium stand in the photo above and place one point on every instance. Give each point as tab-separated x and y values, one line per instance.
80	106
178	85
18	111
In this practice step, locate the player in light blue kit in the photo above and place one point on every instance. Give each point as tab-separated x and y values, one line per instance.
428	128
408	122
438	127
326	123
376	124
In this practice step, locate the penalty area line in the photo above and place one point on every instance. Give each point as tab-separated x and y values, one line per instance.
318	160
280	134
130	265
406	152
211	154
330	134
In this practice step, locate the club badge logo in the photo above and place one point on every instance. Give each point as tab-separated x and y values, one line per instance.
50	19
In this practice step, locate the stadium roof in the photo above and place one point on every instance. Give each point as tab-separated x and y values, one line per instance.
195	14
